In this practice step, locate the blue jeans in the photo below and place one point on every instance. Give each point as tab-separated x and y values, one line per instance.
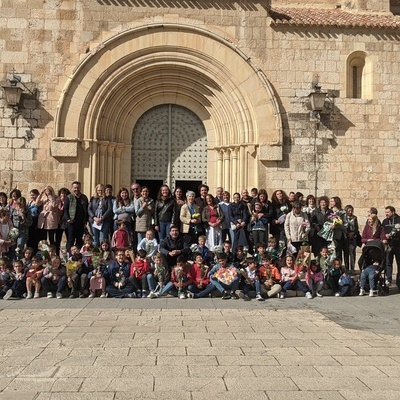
100	235
205	293
249	286
221	287
171	289
393	252
370	272
163	230
297	284
50	286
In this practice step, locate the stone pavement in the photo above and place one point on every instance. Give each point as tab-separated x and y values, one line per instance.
329	348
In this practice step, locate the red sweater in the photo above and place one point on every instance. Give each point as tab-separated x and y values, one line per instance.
187	275
139	268
200	277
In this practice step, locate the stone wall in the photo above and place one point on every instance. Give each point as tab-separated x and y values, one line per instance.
354	148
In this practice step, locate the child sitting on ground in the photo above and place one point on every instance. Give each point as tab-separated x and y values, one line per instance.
270	277
138	274
290	278
159	276
251	280
333	274
33	278
315	278
181	278
200	275
54	278
16	286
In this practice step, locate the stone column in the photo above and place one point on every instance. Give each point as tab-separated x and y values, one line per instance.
220	167
102	161
117	162
227	168
234	170
110	163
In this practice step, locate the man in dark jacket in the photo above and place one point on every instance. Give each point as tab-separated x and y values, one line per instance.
76	215
173	246
391	225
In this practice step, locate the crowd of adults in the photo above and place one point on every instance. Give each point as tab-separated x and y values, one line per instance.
244	219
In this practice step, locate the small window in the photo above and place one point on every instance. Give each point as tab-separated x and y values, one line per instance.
359	76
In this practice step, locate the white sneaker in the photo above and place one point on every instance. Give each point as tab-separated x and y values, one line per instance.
50	295
91	296
371	293
337	294
103	295
319	294
259	297
59	295
309	295
36	295
153	295
29	295
190	295
182	296
387	282
281	295
362	292
8	294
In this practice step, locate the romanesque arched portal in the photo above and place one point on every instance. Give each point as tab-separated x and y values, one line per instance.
186	66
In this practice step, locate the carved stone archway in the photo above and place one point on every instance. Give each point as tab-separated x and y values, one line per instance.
138	69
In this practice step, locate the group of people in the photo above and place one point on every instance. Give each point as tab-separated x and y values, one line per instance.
175	231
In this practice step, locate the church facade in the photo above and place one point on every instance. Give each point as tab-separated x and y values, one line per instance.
184	92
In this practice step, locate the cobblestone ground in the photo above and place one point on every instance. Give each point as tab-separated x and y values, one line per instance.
188	349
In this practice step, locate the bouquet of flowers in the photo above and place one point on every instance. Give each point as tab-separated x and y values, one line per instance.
326	232
303	260
44	251
71	267
120	278
226	275
180	278
217	250
149	247
335	218
194	248
203	271
159	272
13	235
395	230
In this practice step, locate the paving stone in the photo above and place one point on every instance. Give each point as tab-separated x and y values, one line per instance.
209	385
67	385
21	396
266	383
371	395
186	360
243	360
150	395
30	385
222	371
331	383
301	395
359	371
239	394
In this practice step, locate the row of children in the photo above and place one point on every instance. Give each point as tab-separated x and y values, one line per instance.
88	272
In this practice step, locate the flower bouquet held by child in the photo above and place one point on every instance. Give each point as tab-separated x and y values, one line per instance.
327	229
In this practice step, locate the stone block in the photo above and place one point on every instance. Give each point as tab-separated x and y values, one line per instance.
63	148
23	154
270	152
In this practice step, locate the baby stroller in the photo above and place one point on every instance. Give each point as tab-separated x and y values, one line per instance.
374	250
